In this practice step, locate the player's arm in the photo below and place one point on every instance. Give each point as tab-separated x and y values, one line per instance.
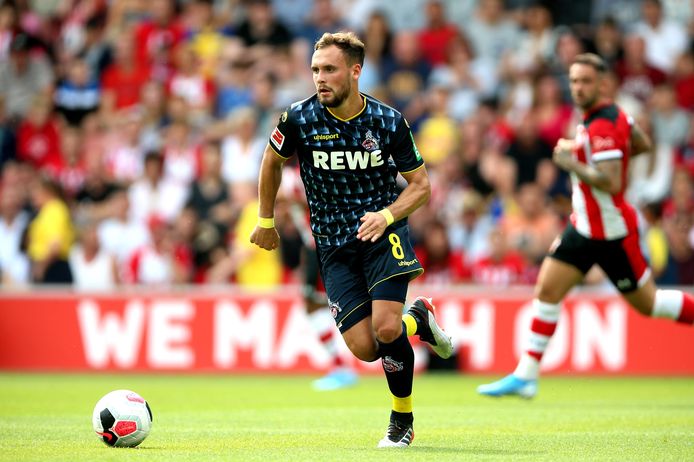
265	235
640	141
605	175
415	194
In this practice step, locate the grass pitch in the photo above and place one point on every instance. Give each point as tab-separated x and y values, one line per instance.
279	418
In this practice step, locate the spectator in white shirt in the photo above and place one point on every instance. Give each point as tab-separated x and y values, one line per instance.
665	40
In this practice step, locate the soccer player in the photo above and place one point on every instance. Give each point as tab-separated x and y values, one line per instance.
350	149
602	230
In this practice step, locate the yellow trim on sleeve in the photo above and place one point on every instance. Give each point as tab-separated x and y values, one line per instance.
413	170
277	153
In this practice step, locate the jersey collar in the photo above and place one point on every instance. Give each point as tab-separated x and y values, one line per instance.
355	115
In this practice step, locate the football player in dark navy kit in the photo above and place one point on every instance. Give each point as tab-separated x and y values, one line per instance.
350	148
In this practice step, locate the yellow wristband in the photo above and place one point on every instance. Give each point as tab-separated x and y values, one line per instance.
388	216
267	223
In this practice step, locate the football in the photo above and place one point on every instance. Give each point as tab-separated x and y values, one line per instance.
122	418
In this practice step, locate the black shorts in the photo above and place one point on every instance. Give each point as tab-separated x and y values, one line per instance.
620	259
358	272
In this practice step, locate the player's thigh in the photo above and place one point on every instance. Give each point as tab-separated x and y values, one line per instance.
391	256
643	298
361	341
627	268
569	259
387	305
348	298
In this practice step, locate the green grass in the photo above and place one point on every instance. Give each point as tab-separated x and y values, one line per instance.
271	418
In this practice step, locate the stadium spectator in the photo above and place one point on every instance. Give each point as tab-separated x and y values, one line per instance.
231	79
8	138
608	41
549	110
8	24
528	149
248	265
181	153
532	229
324	17
27	74
92	268
664	39
502	266
123	79
490	31
210	197
38	137
159	262
444	266
71	172
205	36
405	73
188	81
157	37
91	199
122	154
468	79
78	95
469	229
154	198
670	122
242	149
683	80
378	40
637	77
262	30
50	235
119	234
14	264
437	34
438	132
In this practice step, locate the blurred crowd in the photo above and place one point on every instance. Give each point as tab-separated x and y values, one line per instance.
131	131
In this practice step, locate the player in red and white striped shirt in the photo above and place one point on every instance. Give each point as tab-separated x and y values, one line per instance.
603	228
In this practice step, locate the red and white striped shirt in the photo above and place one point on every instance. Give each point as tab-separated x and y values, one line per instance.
603	135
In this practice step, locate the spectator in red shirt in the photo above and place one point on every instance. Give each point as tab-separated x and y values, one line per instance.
38	139
637	77
442	265
157	37
502	267
683	80
123	80
436	36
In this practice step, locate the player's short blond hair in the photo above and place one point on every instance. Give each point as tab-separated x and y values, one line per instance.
592	60
348	42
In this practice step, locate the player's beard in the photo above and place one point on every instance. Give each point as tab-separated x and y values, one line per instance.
335	98
586	103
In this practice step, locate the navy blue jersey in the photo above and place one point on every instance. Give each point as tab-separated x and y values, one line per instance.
348	167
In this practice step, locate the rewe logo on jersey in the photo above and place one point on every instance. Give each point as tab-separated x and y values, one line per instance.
347	160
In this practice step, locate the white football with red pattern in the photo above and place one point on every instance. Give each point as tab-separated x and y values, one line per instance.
122	418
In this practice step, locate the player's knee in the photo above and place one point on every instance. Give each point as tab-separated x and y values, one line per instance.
388	332
548	294
364	351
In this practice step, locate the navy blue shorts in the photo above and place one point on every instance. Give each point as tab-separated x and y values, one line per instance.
358	272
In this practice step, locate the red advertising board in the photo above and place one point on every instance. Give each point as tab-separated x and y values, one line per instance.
200	332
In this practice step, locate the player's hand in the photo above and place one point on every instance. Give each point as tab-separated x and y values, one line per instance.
563	154
265	238
373	225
